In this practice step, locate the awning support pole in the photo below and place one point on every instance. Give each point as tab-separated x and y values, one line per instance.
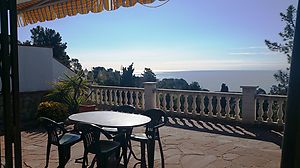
291	140
10	83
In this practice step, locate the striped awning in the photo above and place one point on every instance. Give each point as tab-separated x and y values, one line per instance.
33	11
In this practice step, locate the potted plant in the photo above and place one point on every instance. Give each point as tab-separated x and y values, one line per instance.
73	91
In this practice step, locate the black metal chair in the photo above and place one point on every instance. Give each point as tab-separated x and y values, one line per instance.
125	108
121	108
60	137
158	119
102	149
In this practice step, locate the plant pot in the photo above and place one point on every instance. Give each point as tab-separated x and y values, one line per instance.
84	108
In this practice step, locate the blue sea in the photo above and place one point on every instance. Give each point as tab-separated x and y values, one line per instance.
212	79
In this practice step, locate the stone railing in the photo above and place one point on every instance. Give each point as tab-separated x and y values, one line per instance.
210	104
111	95
271	108
245	106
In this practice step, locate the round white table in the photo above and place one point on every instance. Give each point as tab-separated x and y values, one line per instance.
113	119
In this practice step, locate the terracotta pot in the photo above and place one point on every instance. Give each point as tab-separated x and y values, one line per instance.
84	108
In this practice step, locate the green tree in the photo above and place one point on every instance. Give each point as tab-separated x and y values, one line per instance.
224	88
194	86
105	77
45	37
75	65
172	83
127	77
148	75
285	47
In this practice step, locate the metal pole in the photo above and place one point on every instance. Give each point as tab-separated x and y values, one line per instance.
291	140
15	82
5	72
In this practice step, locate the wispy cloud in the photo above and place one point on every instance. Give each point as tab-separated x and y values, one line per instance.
253	53
251	48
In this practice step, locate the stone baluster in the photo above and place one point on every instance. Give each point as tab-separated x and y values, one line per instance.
116	97
137	100
164	102
210	106
105	96
219	108
121	97
143	101
237	109
158	100
280	112
227	108
125	97
97	96
178	103
92	95
194	106
260	110
131	97
270	111
101	96
202	106
171	103
110	98
186	105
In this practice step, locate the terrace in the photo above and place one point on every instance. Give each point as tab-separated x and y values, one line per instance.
205	129
186	143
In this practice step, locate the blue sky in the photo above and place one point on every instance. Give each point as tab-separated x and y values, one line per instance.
181	35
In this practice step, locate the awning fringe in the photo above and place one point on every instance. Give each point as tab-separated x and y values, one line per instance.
34	11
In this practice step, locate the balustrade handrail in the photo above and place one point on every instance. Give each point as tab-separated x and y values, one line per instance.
199	92
271	96
118	87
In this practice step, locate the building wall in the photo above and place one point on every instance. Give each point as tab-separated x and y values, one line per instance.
38	69
59	71
35	68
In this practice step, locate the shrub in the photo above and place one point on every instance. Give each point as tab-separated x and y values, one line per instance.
72	91
53	110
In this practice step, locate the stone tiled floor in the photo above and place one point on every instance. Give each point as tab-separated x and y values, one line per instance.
186	144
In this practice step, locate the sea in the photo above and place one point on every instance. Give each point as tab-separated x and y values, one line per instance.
234	79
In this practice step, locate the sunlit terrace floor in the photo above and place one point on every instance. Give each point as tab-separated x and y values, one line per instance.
186	143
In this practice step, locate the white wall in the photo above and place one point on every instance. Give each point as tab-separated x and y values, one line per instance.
35	68
38	69
59	71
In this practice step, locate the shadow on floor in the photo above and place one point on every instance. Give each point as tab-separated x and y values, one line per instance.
258	132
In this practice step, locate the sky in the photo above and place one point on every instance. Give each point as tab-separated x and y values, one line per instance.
180	35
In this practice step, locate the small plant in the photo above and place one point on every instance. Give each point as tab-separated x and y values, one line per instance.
53	110
72	91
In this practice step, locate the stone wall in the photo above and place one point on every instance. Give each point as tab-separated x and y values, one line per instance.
29	102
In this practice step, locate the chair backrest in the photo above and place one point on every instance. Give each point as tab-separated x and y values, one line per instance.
90	133
158	119
53	129
125	108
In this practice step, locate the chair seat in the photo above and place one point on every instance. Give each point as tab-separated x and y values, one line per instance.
104	145
141	137
69	139
110	130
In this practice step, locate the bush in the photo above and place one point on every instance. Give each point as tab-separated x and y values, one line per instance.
53	110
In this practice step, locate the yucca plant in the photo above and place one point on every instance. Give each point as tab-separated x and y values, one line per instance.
72	91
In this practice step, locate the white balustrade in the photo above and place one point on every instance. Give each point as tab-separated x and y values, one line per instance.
209	103
270	109
111	95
